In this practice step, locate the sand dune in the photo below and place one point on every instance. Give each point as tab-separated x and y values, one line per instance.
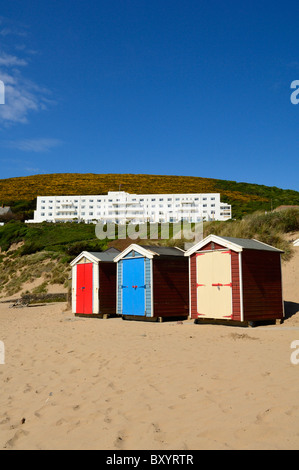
73	383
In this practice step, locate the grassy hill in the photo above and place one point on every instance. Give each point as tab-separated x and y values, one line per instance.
38	255
245	198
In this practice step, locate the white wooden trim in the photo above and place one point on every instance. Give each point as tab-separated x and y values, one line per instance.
117	287
189	270
95	288
74	289
215	239
241	287
85	254
139	249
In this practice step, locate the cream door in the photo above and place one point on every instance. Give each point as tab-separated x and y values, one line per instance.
214	288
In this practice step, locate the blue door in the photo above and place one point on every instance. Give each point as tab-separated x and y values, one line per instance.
133	287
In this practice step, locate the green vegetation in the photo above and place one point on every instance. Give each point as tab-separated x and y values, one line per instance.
39	254
268	228
67	238
245	198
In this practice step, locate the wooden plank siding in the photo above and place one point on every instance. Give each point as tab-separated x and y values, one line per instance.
171	287
148	287
236	286
119	287
262	285
193	287
107	290
212	246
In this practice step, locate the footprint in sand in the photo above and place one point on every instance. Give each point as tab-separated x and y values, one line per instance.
19	434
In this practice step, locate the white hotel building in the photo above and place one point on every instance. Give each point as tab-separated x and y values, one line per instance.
120	207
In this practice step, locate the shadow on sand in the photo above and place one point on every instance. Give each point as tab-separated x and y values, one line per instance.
291	308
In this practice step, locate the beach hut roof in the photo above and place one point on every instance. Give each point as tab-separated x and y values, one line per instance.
96	257
151	251
235	244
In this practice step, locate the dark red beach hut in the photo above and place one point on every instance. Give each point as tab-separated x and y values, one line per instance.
235	279
152	283
94	284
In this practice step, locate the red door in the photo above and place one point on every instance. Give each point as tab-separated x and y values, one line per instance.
84	288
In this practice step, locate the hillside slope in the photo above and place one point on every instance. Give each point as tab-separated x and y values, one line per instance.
34	258
244	197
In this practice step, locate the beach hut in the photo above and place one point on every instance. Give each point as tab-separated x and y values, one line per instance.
152	283
94	284
235	279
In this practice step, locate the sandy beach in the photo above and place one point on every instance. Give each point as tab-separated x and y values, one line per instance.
75	383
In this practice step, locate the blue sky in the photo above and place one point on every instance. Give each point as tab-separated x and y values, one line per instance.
196	88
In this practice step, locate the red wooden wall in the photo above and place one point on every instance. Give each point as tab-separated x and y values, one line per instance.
107	291
171	287
262	285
